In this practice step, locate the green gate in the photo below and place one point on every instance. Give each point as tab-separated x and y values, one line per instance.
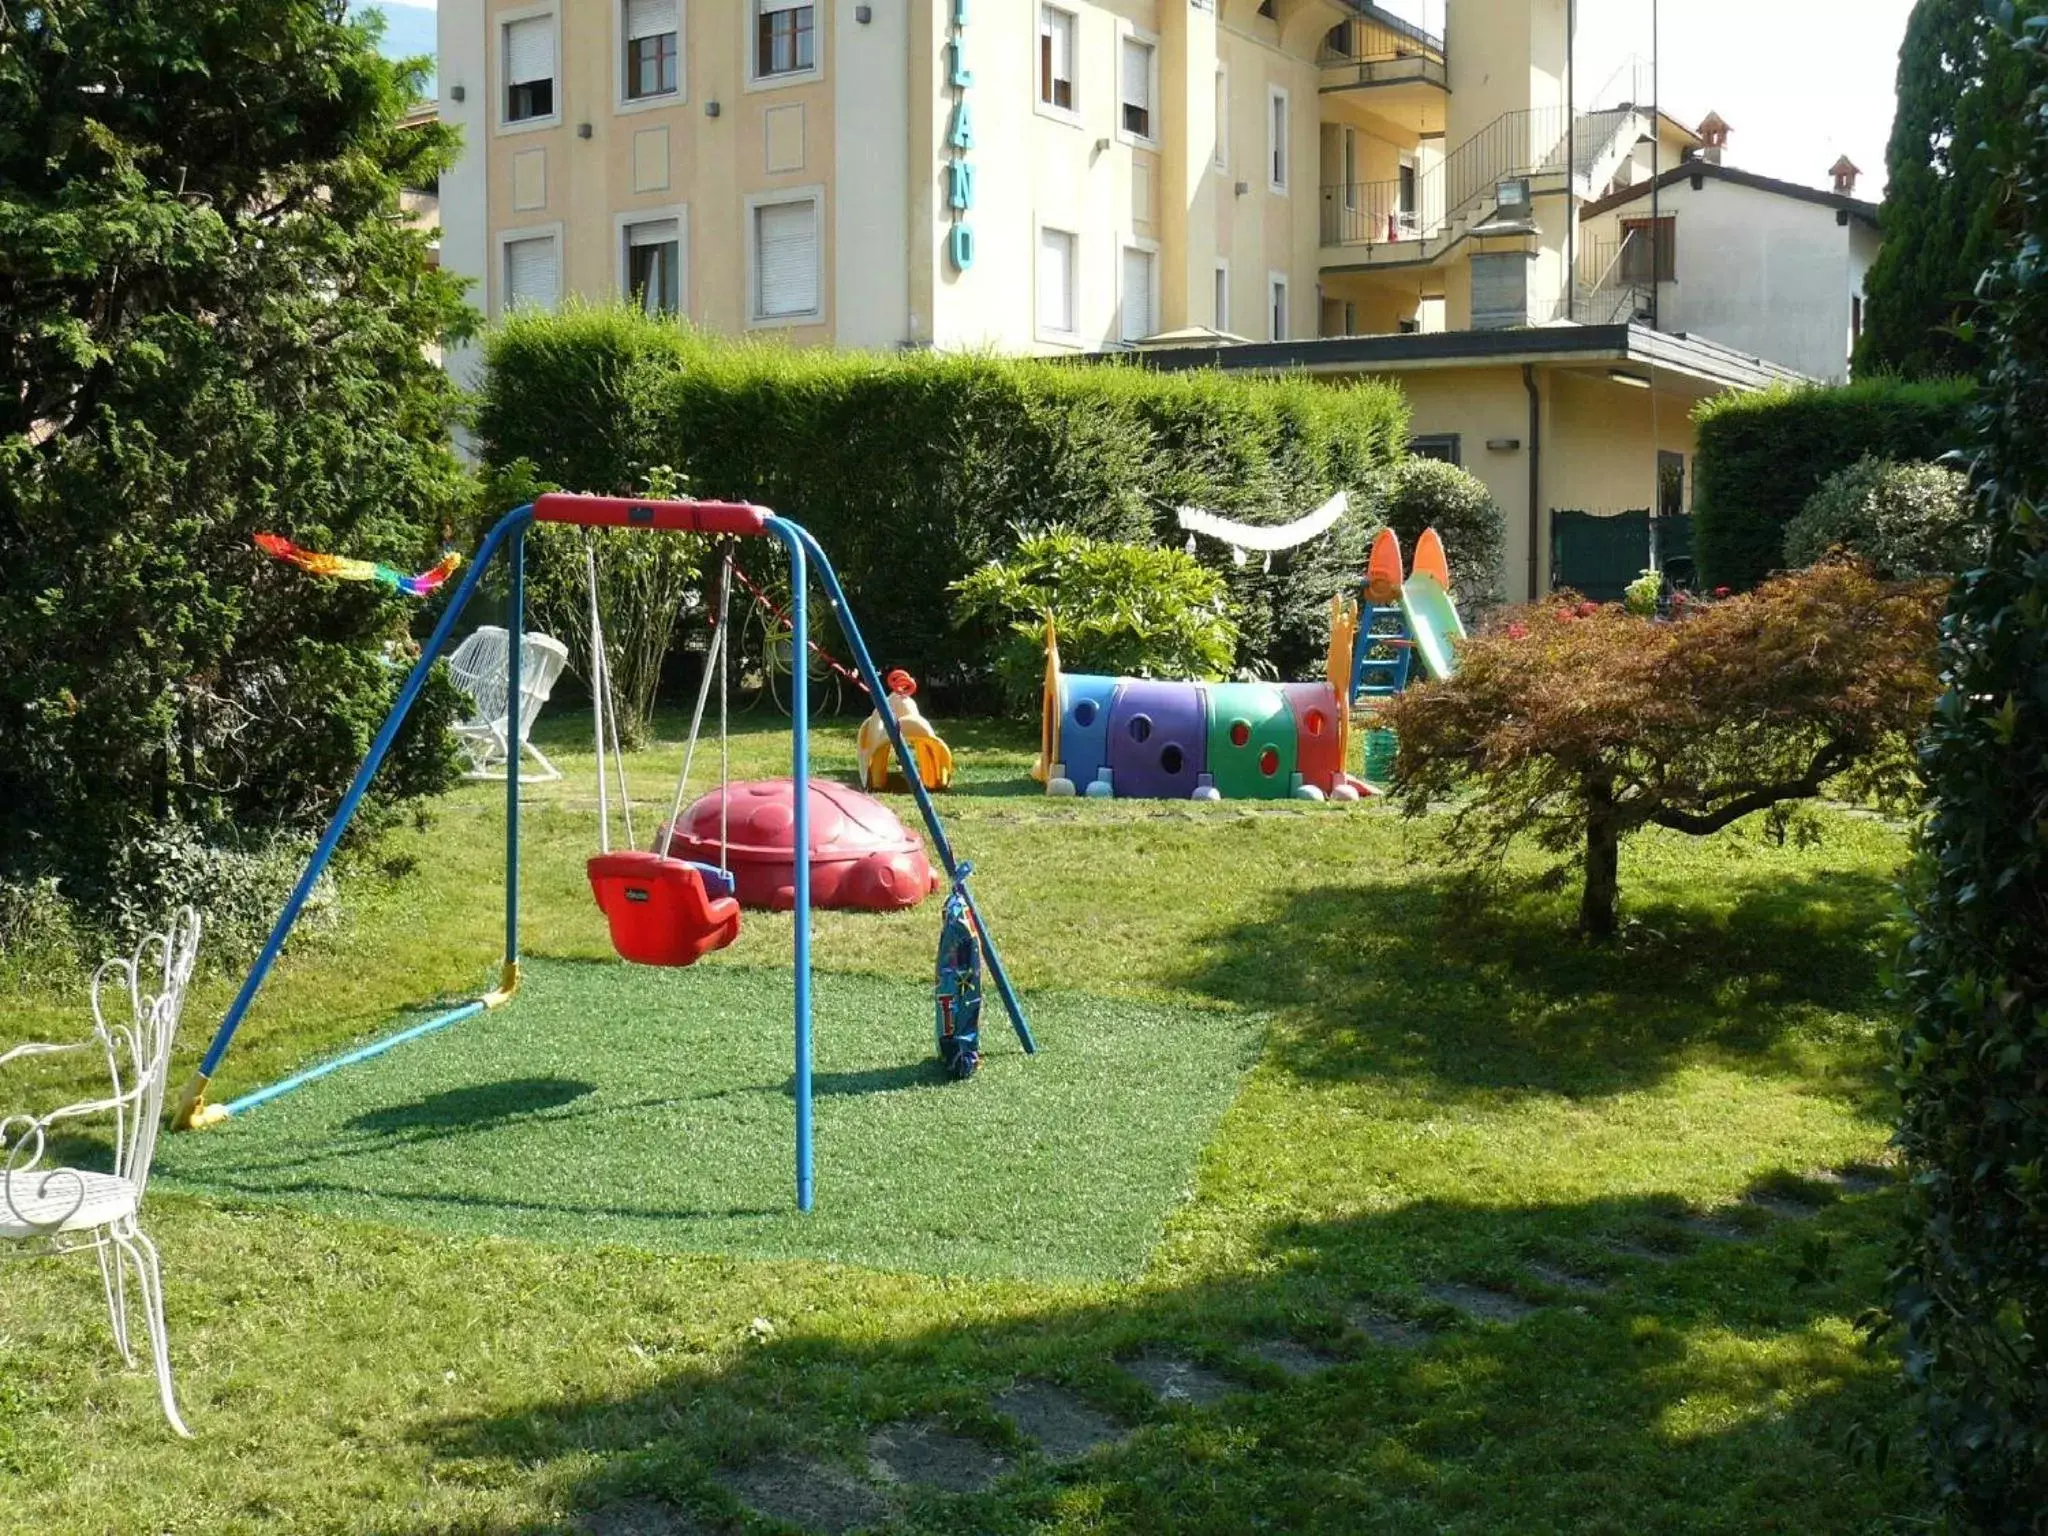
1599	554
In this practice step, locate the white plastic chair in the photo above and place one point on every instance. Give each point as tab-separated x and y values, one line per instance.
56	1210
478	667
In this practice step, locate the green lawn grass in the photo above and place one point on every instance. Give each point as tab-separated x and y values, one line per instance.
620	1104
1445	1093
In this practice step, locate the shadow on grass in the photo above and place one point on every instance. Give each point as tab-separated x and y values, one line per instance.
473	1107
1417	979
1678	1383
923	1073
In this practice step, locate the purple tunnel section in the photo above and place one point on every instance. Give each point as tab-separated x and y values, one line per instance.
1158	739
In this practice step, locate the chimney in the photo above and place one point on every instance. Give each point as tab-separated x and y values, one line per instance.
1714	138
1845	172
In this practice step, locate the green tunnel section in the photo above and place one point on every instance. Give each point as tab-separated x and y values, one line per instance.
1252	748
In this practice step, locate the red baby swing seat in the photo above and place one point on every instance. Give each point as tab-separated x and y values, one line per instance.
661	910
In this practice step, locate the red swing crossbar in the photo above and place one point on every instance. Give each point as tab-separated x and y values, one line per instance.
726	517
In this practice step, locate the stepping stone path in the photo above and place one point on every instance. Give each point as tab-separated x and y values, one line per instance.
1567	1279
1628	1248
1174	1380
1057	1422
1715	1229
638	1517
817	1497
1852	1180
1296	1360
932	1457
1481	1303
1389	1332
1783	1206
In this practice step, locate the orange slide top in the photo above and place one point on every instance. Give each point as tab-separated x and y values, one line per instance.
1383	570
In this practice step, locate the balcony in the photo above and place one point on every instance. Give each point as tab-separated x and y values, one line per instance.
1378	51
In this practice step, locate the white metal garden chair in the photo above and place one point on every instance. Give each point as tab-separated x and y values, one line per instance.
136	1002
478	667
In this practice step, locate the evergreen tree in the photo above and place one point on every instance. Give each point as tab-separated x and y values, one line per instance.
213	320
1960	95
1972	1286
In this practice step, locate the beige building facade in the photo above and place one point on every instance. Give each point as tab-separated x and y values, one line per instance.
1309	184
1028	175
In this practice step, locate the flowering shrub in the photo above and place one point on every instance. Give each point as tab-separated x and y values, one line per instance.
1906	519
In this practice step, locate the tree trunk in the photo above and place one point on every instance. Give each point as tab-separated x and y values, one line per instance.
1598	903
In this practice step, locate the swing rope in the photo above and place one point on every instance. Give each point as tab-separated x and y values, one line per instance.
604	707
715	663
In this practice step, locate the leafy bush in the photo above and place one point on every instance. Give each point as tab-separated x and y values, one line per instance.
1907	520
1120	609
1577	725
1761	456
212	322
1428	493
915	470
1971	1287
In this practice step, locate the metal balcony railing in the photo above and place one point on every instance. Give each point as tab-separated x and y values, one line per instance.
1461	188
1375	48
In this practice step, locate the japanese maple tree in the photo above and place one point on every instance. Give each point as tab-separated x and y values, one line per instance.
1575	724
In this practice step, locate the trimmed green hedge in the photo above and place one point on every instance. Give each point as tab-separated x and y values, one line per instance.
1762	455
914	469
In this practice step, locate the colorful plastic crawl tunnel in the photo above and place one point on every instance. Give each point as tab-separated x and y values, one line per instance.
1148	739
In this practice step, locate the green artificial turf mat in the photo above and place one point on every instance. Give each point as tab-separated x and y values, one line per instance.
616	1104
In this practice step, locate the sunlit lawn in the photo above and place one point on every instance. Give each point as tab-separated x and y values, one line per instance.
1445	1094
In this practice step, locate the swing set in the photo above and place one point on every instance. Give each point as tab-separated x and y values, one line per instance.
661	910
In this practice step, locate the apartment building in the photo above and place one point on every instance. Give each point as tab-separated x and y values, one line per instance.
1104	176
1030	175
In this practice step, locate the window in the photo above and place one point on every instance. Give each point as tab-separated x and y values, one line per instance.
1350	170
529	68
1136	72
1670	483
1855	318
782	39
785	265
1276	288
1277	156
651	53
1640	239
532	273
1139	284
654	265
1221	159
1405	196
1057	50
1056	267
1222	295
1446	447
1350	317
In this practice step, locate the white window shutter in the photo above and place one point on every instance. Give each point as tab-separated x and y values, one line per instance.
653	232
786	257
1055	280
1137	73
530	50
532	273
1137	294
650	18
1060	28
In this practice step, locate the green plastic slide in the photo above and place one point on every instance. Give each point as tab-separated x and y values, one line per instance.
1433	621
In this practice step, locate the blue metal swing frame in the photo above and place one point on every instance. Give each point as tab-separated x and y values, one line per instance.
509	536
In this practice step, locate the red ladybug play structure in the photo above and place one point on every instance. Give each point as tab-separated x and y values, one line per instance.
861	855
